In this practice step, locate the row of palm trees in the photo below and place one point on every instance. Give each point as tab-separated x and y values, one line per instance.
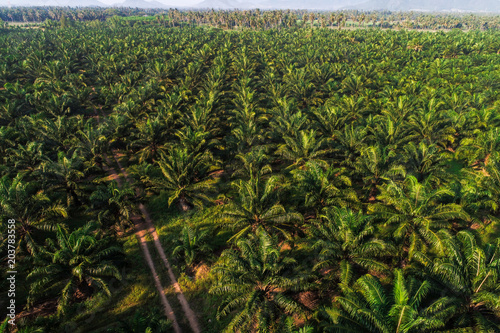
256	19
358	179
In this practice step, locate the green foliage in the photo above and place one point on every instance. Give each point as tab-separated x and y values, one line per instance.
257	207
185	177
193	244
416	214
469	273
79	262
342	236
144	322
368	307
256	281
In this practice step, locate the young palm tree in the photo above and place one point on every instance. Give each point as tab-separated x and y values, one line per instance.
257	282
368	307
192	244
78	262
144	322
341	235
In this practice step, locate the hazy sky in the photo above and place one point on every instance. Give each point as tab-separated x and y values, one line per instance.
172	3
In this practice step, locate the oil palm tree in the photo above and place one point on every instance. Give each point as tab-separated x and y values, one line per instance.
376	165
150	139
27	157
113	204
144	322
77	262
66	174
323	187
193	243
369	307
31	208
257	206
257	281
469	275
184	177
342	235
425	160
414	213
303	148
92	144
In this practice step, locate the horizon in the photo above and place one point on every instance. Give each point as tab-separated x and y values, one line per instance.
363	5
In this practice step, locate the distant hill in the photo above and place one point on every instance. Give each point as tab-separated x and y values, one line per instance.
392	5
278	4
140	4
430	5
225	4
311	4
60	3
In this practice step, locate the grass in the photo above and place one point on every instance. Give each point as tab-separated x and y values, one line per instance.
135	292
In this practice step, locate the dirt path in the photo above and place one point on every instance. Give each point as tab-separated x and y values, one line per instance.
144	226
190	315
141	232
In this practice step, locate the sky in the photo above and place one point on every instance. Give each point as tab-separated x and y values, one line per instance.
172	3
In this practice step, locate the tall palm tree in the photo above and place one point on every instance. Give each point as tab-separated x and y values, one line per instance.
257	207
65	174
415	212
257	281
342	235
184	177
369	307
469	275
78	262
31	208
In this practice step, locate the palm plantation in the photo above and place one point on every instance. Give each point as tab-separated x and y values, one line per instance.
292	171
